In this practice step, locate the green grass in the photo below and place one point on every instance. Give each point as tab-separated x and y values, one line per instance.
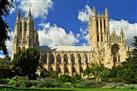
66	89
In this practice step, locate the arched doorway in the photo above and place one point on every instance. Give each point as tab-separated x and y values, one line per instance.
65	58
114	51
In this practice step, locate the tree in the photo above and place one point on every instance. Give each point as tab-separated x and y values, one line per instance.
5	68
99	72
5	6
26	62
42	72
128	70
87	72
135	48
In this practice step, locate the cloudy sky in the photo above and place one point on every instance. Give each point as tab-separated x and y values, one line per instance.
64	22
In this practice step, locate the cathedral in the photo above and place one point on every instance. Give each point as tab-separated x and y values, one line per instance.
104	47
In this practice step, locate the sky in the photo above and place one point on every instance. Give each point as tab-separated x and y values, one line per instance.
65	22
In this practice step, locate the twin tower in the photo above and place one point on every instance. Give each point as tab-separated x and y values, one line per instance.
109	49
99	31
25	36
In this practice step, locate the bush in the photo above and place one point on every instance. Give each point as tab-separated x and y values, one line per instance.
41	72
67	85
18	81
4	81
6	71
65	78
89	84
76	78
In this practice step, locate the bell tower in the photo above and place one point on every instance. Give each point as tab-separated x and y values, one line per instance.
25	36
98	29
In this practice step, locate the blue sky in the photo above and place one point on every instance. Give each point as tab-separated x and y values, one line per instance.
64	22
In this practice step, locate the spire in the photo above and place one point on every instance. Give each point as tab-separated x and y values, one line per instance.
122	34
94	11
106	12
122	31
113	33
18	15
29	14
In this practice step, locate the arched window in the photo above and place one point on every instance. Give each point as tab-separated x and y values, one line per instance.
44	59
79	58
65	57
72	59
86	58
51	59
58	59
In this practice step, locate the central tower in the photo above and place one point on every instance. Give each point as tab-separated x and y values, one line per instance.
98	28
25	36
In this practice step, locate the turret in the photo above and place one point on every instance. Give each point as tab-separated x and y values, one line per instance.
106	12
122	36
29	15
18	16
94	11
106	23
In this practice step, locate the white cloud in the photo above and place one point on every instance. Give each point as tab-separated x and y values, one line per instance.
54	35
2	56
9	45
84	14
39	8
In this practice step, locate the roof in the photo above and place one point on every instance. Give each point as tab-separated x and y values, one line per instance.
65	48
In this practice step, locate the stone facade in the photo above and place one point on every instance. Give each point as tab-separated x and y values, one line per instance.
25	36
104	48
110	48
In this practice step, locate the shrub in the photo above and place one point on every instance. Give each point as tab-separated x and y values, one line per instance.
17	81
65	78
67	85
76	78
6	71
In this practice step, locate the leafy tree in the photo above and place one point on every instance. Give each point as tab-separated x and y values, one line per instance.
99	72
5	61
128	70
135	48
41	72
6	68
5	7
26	62
6	71
87	72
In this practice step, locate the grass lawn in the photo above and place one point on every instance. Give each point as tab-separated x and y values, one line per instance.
66	89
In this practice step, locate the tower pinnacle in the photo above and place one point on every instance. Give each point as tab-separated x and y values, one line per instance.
106	12
29	14
94	11
18	15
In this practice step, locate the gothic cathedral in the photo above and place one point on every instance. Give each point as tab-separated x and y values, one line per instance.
104	48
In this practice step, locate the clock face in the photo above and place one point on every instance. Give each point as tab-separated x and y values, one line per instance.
115	49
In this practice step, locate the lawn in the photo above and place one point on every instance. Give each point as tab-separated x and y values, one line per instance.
66	89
